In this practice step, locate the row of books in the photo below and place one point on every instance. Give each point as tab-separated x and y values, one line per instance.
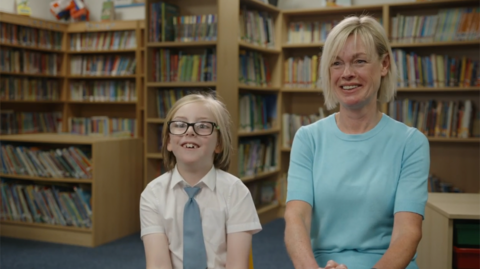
436	70
161	21
195	28
435	118
302	72
292	122
99	65
68	162
31	89
29	122
55	205
102	126
178	66
257	155
257	27
23	61
257	112
103	91
311	31
435	184
30	37
453	24
254	69
165	98
113	40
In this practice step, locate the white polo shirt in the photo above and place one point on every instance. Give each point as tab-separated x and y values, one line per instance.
226	206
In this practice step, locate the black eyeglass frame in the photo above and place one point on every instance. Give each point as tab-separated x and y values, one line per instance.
215	127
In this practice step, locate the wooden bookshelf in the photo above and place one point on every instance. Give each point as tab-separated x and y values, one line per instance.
152	121
83	47
227	47
445	152
114	184
21	102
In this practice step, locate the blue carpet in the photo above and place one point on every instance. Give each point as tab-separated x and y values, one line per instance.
268	252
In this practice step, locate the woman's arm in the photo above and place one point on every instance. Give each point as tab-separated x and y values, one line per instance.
407	232
238	250
156	251
298	218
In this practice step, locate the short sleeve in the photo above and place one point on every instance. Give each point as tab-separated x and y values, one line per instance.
150	219
412	189
242	214
300	176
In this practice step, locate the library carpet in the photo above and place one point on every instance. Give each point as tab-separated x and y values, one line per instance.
127	253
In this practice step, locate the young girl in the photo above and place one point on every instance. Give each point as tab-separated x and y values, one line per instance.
197	215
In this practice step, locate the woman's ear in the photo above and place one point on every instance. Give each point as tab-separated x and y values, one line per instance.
169	146
385	64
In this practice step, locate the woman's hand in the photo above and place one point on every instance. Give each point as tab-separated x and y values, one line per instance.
331	264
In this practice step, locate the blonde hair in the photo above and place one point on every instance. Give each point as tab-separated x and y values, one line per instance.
221	118
373	36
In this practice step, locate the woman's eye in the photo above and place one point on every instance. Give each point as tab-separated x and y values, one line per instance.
360	61
179	124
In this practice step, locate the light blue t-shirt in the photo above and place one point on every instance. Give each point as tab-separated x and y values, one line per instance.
355	184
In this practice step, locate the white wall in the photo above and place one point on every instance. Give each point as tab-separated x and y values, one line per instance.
301	4
40	8
126	13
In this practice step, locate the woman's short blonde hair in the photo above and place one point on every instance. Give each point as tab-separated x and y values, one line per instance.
373	36
221	118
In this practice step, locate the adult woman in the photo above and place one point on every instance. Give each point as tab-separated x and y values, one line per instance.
357	180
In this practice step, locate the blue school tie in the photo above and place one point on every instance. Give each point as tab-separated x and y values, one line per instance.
194	253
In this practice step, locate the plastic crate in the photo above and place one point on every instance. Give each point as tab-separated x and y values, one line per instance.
466	258
467	234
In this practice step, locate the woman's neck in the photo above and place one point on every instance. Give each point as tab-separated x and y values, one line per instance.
192	174
357	122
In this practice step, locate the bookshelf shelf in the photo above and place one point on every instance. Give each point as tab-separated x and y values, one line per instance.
101	77
57	138
332	11
427	4
101	51
260	6
301	90
258	133
155	120
181	44
32	101
259	176
29	75
30	48
454	140
48	226
258	88
302	45
246	45
440	89
436	44
286	149
154	156
181	84
48	179
104	102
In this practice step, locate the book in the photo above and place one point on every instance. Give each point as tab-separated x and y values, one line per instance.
108	11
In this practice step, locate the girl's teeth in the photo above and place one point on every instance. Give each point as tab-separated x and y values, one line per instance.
349	87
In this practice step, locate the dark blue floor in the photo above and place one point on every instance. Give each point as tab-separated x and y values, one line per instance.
268	252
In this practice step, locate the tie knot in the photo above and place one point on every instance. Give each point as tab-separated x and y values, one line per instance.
192	191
